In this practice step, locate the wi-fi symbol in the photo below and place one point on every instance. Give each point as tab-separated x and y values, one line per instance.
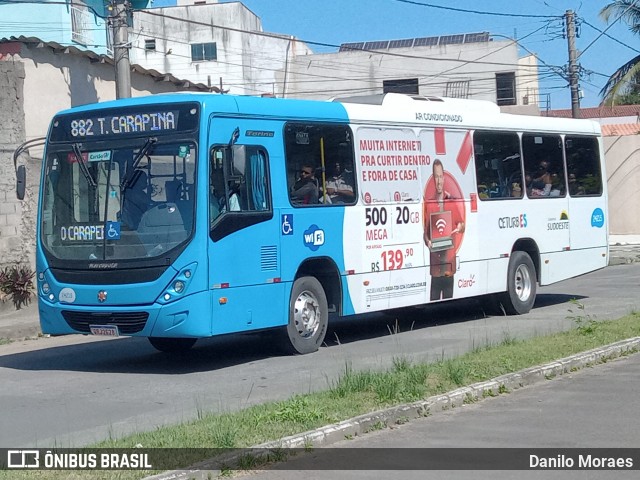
441	224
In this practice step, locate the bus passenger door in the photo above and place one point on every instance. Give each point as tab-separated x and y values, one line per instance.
244	241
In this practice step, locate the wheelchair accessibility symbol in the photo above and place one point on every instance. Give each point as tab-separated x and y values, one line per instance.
113	231
287	224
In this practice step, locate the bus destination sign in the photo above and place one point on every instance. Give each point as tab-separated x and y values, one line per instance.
124	122
151	122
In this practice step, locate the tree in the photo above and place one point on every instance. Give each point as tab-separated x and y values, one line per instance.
624	84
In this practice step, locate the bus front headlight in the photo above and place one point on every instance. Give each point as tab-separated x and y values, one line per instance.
179	285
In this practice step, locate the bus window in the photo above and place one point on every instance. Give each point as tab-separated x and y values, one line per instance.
320	164
543	165
498	168
583	166
242	186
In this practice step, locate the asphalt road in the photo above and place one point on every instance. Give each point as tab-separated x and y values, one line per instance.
71	391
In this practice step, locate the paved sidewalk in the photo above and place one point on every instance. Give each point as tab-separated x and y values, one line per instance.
24	323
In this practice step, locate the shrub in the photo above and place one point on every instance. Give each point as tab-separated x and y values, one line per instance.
16	283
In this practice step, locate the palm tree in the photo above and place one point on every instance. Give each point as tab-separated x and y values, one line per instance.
625	80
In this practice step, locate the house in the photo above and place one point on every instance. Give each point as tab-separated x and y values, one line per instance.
80	23
615	120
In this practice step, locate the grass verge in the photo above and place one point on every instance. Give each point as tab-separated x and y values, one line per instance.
360	392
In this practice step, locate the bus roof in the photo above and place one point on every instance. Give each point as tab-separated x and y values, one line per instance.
391	108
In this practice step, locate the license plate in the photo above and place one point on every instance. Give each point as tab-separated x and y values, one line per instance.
104	330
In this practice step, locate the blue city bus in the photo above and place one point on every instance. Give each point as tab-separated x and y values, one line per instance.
184	216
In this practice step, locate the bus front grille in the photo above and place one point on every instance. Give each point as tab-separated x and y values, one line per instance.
127	322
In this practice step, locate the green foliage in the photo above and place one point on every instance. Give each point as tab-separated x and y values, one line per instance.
585	324
622	84
297	409
632	98
16	283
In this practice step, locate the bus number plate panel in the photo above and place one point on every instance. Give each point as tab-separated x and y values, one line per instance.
105	330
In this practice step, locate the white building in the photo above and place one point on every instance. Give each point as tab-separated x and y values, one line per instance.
223	44
217	44
462	66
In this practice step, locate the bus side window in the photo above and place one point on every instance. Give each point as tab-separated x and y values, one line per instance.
544	165
583	166
319	160
498	166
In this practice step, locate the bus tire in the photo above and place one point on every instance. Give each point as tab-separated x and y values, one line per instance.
172	345
308	316
521	285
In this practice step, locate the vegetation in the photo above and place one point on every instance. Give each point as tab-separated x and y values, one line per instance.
16	283
623	87
361	392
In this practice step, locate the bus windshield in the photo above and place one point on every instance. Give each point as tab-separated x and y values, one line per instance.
131	199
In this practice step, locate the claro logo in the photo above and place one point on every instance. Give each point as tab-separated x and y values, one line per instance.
513	222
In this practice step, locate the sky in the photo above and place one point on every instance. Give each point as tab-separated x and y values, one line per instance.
529	21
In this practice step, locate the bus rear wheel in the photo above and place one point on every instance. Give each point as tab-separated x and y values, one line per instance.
308	316
521	285
172	345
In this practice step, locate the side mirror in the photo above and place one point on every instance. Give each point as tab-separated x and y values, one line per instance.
21	181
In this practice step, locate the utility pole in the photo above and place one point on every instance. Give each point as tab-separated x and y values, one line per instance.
573	65
119	26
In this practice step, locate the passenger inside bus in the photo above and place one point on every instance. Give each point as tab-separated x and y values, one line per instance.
574	187
305	190
340	186
541	180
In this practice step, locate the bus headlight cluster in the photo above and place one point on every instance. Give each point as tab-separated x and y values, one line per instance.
179	285
44	287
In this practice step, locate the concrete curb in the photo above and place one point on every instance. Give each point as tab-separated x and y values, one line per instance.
388	417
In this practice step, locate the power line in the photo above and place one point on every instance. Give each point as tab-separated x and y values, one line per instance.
608	27
609	36
477	12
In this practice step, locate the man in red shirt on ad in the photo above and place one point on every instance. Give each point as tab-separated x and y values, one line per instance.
443	214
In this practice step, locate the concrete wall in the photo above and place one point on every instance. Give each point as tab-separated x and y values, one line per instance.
622	157
17	224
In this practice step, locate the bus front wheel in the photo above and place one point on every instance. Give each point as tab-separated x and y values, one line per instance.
172	345
521	285
308	316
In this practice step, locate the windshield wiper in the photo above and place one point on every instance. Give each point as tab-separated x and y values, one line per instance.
127	180
83	166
